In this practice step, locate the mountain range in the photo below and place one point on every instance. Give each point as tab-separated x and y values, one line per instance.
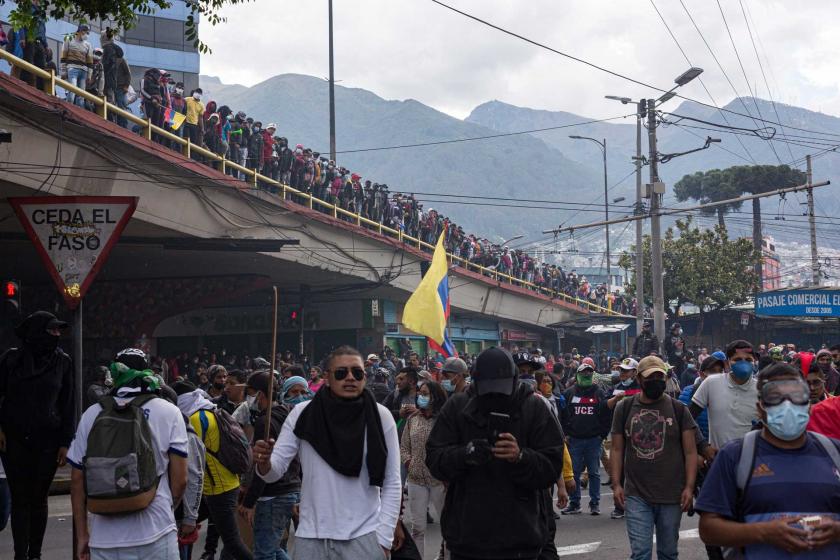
538	179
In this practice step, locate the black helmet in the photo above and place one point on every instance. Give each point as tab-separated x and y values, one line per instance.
133	358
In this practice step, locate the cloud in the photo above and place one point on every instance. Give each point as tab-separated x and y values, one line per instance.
417	49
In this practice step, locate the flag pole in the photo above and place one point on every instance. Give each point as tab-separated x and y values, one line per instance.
270	395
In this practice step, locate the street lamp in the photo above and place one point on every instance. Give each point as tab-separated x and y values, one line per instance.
603	146
514	238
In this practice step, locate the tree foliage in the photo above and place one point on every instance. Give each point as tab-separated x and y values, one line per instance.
123	13
721	184
702	267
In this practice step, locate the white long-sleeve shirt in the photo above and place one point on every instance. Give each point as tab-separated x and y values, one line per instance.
334	506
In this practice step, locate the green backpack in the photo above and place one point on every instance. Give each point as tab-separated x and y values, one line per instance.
120	467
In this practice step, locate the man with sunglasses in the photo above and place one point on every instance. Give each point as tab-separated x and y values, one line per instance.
786	498
729	398
349	453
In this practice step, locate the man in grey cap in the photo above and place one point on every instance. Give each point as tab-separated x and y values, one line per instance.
454	376
499	450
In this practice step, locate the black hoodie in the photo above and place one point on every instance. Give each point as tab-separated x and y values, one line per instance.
496	510
36	386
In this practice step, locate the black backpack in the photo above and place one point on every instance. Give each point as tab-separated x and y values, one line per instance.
234	449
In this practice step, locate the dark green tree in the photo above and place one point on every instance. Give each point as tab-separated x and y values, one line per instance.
122	12
702	267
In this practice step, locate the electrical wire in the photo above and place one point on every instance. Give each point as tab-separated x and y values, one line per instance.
612	72
700	79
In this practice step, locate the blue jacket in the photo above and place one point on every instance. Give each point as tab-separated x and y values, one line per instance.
703	418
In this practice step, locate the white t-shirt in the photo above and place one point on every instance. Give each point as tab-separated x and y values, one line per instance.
149	525
731	407
334	506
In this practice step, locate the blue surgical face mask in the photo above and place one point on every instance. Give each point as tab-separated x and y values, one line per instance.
447	385
423	401
787	421
626	382
742	370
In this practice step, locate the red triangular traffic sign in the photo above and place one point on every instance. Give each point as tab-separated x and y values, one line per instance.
74	235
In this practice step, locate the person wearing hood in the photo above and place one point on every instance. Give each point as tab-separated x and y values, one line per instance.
221	486
295	391
646	342
349	453
499	472
36	424
268	507
826	365
150	532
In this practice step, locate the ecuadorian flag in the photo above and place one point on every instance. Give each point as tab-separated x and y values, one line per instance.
427	310
173	118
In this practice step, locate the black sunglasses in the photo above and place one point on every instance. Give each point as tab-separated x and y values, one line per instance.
342	372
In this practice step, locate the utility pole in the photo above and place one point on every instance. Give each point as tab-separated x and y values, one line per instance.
640	272
815	265
655	233
332	85
607	215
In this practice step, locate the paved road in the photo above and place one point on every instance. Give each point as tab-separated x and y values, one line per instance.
578	537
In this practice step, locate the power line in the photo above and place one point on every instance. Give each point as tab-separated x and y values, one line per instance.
744	72
699	78
763	75
611	72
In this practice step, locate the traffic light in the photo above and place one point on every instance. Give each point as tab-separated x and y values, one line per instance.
11	297
294	317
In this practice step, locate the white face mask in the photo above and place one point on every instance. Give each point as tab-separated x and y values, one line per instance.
252	401
197	96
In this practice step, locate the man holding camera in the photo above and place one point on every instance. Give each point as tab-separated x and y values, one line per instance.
498	448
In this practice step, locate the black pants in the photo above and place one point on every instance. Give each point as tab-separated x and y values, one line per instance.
222	511
30	468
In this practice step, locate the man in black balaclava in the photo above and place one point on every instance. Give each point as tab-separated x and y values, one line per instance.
500	450
36	424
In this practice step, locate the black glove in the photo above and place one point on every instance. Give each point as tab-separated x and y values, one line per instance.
479	452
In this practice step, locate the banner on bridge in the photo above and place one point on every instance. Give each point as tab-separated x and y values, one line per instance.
799	303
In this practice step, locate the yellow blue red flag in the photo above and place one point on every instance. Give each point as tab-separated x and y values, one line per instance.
427	310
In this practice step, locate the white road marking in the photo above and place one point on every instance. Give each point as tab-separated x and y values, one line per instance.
687	534
578	549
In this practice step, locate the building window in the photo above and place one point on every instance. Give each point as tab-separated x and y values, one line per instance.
143	32
169	34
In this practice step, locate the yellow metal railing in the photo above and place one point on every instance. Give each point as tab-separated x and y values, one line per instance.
188	149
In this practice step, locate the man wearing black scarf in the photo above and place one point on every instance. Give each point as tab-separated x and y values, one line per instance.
498	502
36	424
349	453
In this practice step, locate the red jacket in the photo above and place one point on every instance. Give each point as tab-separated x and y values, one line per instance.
268	146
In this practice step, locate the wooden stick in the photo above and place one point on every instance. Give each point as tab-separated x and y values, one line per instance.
270	395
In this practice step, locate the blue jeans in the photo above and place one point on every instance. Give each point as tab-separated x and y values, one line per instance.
120	100
77	77
641	518
270	521
586	454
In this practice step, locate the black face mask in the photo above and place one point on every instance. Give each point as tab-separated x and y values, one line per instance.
43	345
494	402
654	388
219	386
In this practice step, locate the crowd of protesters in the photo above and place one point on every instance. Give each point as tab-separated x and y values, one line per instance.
357	452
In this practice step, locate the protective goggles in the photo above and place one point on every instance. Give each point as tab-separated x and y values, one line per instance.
342	372
793	390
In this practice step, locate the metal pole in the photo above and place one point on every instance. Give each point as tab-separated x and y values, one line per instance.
332	86
77	361
655	234
640	272
815	265
607	215
78	389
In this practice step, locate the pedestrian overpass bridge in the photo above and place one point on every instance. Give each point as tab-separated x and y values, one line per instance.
63	150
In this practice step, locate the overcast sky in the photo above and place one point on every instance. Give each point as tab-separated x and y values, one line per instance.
416	49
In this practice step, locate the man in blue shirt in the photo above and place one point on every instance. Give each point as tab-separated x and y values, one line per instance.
792	477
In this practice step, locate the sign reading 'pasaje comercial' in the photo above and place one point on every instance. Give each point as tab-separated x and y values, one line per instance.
799	303
73	235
